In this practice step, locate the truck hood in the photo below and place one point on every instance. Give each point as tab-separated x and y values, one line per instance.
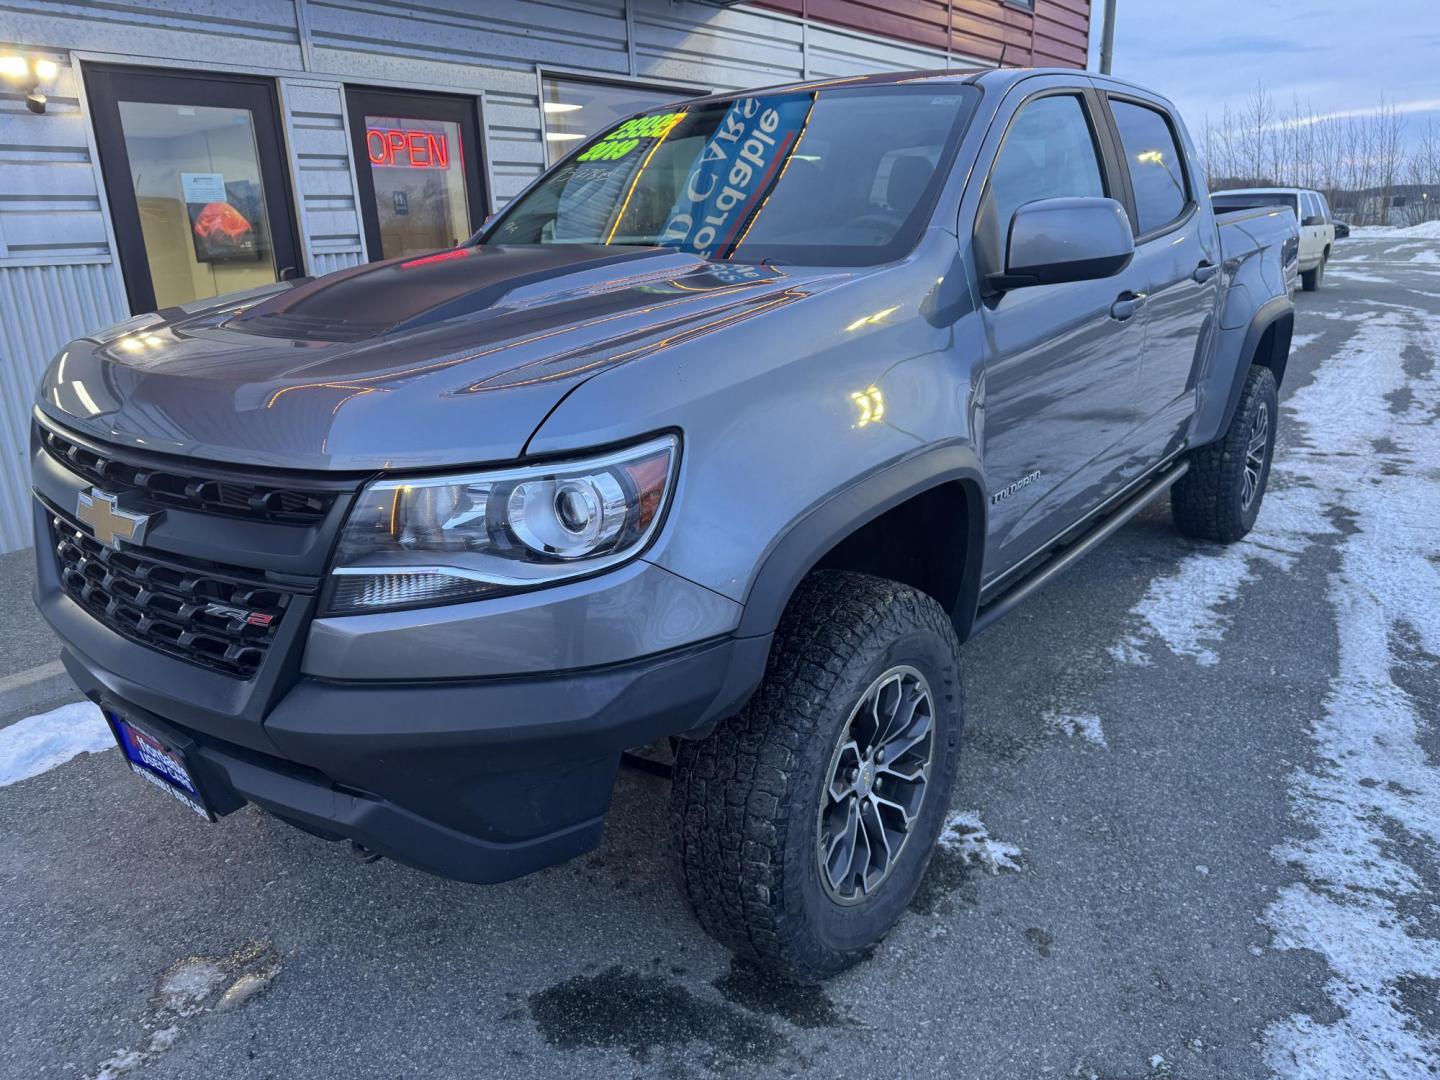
444	359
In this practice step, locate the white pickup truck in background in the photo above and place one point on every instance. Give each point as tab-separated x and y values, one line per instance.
1317	224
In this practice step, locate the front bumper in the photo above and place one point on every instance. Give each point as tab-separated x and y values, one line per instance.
481	781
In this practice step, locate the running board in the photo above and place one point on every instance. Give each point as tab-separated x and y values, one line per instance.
1068	556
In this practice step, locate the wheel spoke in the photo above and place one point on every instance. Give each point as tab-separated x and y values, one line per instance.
907	737
840	857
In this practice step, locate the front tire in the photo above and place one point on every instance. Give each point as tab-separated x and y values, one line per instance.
1310	280
802	826
1219	497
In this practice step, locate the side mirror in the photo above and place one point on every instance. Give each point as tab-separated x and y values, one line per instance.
1058	240
1313	219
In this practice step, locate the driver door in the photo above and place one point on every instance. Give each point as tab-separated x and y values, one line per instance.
1063	361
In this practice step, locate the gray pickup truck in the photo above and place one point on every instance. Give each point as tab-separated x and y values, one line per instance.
730	429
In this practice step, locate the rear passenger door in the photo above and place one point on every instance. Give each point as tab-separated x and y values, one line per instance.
1175	252
1062	360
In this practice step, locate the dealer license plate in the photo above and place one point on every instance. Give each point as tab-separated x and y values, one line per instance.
155	759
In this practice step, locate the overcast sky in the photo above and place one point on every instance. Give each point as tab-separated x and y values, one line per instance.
1337	54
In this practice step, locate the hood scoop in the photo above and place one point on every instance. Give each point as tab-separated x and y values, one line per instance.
390	297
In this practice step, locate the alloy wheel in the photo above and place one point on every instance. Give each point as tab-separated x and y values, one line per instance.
875	784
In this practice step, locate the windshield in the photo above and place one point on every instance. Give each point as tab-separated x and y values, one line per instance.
827	177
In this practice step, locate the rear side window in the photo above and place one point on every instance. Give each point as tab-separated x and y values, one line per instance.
1157	170
1049	153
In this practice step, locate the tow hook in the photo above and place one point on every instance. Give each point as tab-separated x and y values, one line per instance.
360	853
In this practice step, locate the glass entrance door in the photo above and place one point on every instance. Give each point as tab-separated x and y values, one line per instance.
197	183
418	167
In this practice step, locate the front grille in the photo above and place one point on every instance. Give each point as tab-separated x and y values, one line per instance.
263	502
174	606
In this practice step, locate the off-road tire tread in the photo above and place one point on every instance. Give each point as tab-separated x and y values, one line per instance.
1203	502
730	805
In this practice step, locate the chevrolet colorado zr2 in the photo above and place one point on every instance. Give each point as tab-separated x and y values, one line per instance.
730	429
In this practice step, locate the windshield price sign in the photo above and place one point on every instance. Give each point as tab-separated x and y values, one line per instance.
734	172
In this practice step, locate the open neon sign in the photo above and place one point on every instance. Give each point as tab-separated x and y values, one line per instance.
397	148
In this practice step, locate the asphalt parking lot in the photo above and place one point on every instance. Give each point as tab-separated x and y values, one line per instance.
1195	835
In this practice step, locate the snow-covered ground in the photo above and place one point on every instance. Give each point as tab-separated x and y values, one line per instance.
1363	477
36	744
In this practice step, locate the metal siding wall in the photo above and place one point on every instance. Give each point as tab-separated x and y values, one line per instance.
724	49
56	277
835	54
41	308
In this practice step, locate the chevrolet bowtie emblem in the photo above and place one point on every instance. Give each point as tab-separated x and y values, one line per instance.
110	524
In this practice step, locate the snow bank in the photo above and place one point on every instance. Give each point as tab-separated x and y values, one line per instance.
1429	230
38	744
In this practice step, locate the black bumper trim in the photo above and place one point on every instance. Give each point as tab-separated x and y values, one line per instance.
481	781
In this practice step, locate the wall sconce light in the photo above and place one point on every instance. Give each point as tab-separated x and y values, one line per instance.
29	74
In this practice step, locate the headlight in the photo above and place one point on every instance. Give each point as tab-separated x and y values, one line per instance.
448	538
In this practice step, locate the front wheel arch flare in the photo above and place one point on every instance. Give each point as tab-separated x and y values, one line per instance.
825	527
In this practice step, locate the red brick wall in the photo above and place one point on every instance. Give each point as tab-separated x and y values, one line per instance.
1055	34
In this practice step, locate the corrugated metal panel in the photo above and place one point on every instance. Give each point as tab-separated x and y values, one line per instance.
324	176
246	33
722	49
329	262
50	203
41	308
835	54
571	33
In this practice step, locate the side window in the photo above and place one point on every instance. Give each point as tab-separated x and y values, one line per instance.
1157	170
1324	207
1049	153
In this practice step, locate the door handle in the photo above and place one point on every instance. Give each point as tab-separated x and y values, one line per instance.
1205	271
1126	305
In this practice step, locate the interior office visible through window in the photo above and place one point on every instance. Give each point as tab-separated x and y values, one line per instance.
575	109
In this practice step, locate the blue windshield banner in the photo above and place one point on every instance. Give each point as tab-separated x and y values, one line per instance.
734	171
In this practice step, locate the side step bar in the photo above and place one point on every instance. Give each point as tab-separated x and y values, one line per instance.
1069	555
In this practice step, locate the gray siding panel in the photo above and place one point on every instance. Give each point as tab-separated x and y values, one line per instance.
722	49
41	309
323	173
255	33
835	54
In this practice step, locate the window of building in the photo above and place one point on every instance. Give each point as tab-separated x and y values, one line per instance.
1157	169
196	178
418	167
575	109
1049	153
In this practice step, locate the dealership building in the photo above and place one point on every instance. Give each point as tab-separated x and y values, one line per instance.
159	152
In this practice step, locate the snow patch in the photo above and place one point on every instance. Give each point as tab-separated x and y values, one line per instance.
38	744
1299	341
965	834
1084	725
1430	257
188	989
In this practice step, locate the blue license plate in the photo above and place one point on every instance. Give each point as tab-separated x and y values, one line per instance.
153	758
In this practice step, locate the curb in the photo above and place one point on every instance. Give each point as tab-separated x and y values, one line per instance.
37	686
